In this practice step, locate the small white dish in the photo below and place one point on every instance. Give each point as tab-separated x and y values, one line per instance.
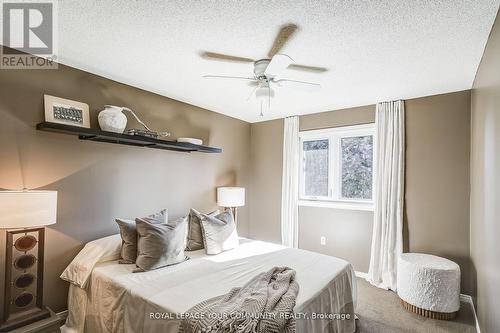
191	140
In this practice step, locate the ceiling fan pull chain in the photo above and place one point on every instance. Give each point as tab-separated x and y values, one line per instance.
269	97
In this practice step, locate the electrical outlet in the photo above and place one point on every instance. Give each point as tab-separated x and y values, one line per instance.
322	240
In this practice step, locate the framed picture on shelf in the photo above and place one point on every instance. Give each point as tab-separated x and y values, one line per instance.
65	111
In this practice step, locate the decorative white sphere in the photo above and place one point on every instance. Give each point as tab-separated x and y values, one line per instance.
112	119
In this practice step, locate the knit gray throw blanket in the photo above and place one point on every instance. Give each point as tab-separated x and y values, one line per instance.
265	304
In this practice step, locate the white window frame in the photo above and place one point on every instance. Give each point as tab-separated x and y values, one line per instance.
334	198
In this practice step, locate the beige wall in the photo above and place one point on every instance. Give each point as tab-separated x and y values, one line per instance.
266	165
437	185
348	233
344	230
97	181
437	178
485	184
344	117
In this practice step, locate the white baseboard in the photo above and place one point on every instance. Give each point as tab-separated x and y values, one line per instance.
362	275
62	316
468	299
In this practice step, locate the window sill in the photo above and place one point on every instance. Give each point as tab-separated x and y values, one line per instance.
363	206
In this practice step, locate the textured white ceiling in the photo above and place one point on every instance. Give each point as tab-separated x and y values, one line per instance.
375	50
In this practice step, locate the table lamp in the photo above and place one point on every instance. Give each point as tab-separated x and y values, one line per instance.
231	198
24	214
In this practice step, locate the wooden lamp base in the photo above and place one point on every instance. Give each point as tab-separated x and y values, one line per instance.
26	318
23	296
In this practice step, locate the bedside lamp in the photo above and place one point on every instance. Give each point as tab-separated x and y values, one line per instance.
24	214
231	198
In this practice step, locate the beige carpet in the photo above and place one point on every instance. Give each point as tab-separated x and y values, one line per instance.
380	311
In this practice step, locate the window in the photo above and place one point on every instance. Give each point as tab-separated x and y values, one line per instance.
316	153
337	167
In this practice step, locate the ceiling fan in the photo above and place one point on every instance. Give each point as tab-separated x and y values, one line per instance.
267	71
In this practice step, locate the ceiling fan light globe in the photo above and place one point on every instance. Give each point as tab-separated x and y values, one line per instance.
263	93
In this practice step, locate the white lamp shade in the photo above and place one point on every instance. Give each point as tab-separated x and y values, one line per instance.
26	209
231	196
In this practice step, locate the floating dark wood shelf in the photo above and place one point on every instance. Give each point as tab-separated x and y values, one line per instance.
124	139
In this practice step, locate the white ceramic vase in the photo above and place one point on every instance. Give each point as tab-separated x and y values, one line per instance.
112	119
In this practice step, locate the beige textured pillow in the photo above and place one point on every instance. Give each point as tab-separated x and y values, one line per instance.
219	232
128	233
195	235
160	244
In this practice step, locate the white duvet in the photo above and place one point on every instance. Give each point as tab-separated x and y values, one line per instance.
117	300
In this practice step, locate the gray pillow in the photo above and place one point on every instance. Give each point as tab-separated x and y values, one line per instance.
195	234
128	232
219	232
160	244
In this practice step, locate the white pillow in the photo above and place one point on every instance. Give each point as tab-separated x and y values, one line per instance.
99	250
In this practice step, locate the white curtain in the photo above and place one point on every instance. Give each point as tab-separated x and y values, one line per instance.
387	238
290	183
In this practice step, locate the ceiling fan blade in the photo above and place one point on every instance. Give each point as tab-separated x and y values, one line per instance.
277	65
229	77
299	85
223	57
305	68
285	33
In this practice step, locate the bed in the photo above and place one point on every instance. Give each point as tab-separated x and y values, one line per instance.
117	300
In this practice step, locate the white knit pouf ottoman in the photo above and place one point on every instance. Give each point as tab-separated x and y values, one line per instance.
429	285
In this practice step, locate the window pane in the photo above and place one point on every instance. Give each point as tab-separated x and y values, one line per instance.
315	167
357	162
